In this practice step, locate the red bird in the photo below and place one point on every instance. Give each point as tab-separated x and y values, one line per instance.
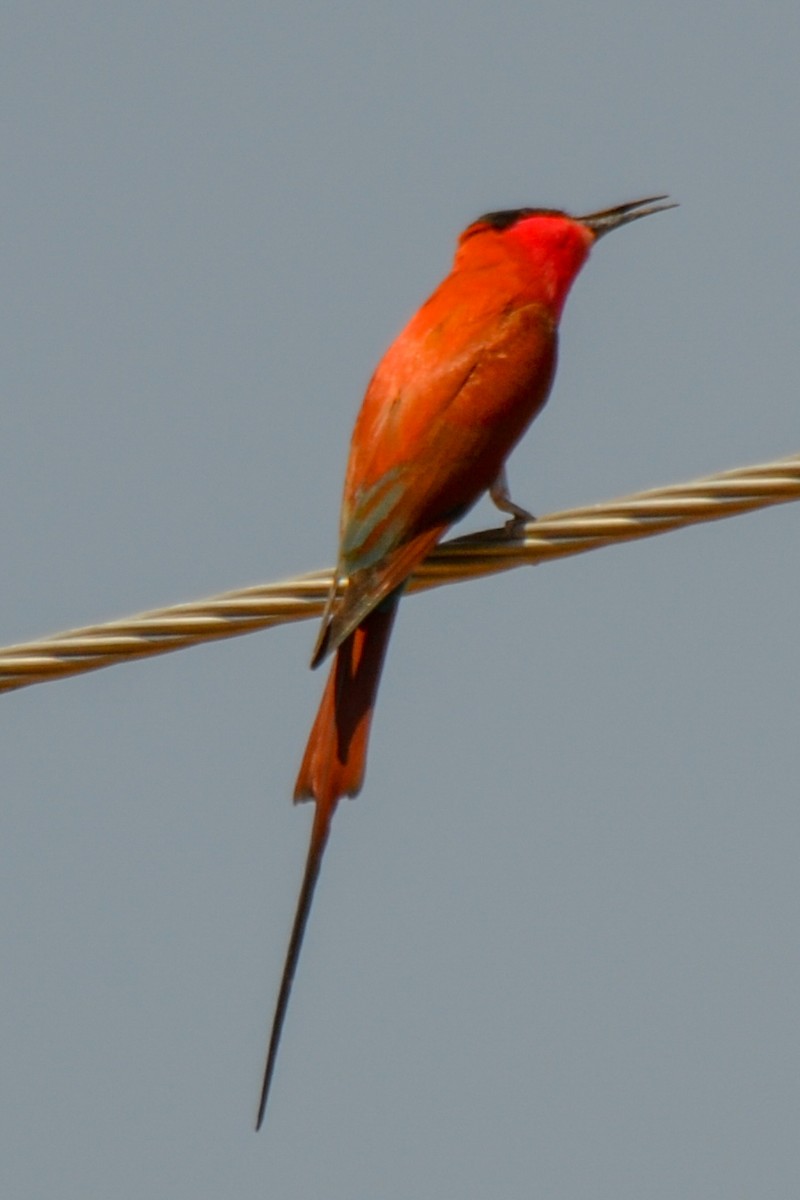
449	401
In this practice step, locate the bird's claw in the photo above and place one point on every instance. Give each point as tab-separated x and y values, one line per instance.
500	497
515	525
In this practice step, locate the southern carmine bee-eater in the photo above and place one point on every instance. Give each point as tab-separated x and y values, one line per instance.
448	402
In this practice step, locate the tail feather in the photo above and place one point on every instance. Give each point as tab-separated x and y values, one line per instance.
335	758
316	849
333	766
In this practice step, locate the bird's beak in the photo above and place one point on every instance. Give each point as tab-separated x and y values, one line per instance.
607	219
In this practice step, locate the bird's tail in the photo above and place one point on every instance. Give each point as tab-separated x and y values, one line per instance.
335	758
333	766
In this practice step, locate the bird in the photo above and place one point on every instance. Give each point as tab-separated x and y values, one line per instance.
447	403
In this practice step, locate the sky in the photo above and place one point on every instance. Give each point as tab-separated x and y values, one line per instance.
554	950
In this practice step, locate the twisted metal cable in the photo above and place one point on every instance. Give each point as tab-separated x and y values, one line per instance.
573	531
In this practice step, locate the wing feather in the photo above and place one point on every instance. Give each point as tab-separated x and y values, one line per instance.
442	412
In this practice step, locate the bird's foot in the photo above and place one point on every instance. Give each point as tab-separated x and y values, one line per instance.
500	497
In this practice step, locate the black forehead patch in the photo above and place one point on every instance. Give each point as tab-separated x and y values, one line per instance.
507	217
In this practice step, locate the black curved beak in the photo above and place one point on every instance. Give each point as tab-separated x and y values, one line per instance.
607	219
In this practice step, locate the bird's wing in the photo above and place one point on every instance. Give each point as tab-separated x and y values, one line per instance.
434	431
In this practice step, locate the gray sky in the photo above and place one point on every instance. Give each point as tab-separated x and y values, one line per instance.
555	945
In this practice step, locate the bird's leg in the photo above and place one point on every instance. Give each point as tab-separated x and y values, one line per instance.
500	497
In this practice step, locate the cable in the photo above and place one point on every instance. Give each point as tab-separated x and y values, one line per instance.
574	531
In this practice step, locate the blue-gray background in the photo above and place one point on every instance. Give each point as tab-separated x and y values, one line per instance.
555	947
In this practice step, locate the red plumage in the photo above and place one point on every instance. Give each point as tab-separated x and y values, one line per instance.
448	402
